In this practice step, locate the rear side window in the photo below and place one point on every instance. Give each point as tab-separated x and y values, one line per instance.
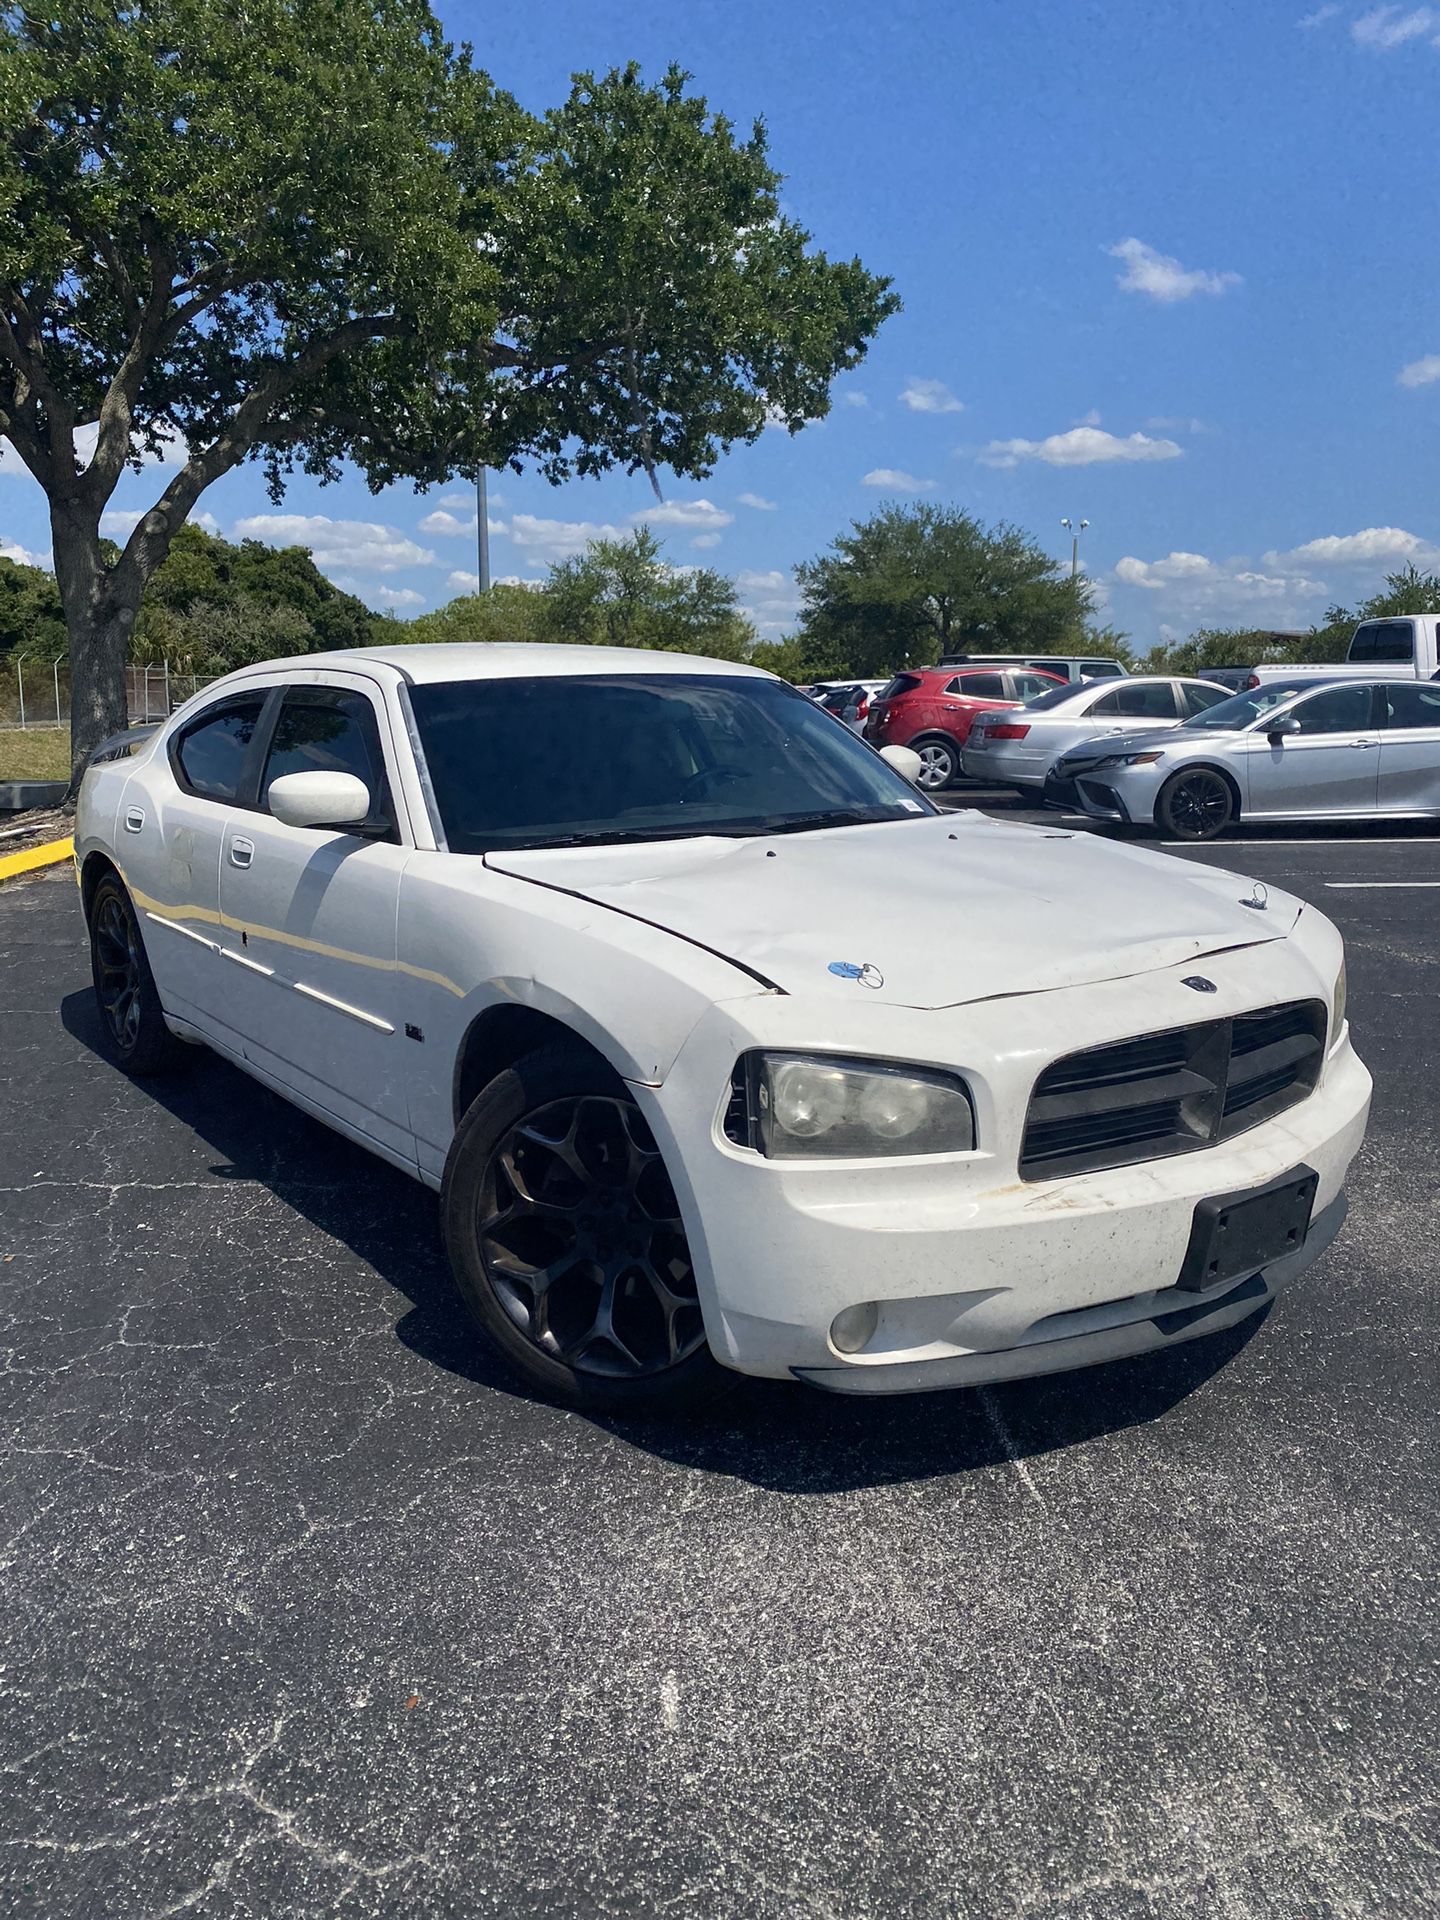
902	683
1412	703
328	730
1384	640
1198	699
979	686
1102	669
209	756
1028	685
1155	701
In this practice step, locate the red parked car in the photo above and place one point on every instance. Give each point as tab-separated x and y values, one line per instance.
931	709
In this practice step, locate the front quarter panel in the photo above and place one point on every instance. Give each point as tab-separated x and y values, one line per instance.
471	939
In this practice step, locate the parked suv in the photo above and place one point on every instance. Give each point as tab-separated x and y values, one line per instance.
932	709
1065	666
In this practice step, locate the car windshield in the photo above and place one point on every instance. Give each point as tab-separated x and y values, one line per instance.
565	760
1058	696
1233	716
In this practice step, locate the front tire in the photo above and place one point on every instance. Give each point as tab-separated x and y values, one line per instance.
131	1017
565	1239
1195	804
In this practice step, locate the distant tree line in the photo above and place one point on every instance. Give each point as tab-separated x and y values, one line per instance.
1408	591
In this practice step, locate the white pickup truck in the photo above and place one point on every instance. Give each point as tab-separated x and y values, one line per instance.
1403	648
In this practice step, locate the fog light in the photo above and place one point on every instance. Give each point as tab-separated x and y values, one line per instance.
853	1326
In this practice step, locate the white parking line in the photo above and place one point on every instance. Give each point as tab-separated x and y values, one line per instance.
1255	846
1363	886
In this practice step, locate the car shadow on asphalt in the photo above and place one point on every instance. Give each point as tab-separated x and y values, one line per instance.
774	1434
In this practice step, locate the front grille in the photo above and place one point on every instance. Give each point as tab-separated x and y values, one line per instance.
1171	1092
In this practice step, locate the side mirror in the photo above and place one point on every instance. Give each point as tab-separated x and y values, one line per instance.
319	799
906	762
1283	728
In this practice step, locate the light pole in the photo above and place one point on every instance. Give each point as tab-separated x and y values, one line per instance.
482	527
1075	529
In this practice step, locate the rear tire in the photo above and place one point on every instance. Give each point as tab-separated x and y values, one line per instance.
132	1020
1195	804
566	1244
939	763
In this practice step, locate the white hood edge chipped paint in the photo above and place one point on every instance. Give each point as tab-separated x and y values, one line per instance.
958	910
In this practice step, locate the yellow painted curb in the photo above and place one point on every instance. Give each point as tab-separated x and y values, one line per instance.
49	855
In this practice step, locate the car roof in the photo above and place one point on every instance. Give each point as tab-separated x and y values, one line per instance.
508	660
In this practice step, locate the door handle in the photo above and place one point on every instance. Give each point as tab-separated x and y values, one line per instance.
1364	743
242	851
134	819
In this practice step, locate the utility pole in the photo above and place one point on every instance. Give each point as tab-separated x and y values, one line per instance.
482	527
1075	530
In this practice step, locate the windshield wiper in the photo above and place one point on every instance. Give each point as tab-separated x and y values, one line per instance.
804	822
609	837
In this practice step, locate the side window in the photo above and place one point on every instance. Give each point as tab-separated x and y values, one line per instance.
1383	640
1198	699
209	756
327	730
1106	707
1337	710
1412	703
1101	669
1155	701
979	686
1029	685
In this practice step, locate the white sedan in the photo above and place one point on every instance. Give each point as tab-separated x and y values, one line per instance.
1019	749
726	1050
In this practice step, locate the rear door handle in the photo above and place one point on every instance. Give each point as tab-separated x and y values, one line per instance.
1364	743
242	851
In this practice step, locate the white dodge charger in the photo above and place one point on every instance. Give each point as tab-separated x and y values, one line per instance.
723	1047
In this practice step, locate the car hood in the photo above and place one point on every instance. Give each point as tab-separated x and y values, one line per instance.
936	912
1174	739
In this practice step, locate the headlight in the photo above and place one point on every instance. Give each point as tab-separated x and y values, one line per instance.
792	1106
1125	760
1337	1017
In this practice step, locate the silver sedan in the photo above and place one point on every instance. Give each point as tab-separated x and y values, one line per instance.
1304	749
1019	749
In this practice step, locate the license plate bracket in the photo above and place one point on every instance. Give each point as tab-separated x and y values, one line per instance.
1237	1234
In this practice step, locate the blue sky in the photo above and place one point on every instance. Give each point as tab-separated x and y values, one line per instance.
1169	267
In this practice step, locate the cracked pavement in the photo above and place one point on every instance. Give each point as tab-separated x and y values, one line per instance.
309	1611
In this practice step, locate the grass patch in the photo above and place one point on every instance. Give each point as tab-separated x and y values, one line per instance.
34	753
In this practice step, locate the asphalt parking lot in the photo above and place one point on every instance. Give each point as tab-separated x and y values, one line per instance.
308	1611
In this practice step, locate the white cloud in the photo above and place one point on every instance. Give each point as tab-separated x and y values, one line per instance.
547	540
1161	276
362	545
896	480
706	540
450	526
173	452
853	397
1371	547
930	396
1090	419
684	513
22	556
1317	19
1194	587
1420	373
1385	28
771	599
1175	423
463	582
394	596
758	502
121	522
1080	447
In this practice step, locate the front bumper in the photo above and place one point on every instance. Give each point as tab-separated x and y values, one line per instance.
975	1274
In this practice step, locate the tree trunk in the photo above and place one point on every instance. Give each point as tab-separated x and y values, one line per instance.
99	625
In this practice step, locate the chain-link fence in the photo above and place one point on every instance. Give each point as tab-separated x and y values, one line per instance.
35	691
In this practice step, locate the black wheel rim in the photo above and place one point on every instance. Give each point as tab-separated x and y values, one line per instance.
117	970
581	1238
1200	805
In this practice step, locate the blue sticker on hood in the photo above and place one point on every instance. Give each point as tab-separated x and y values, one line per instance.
867	975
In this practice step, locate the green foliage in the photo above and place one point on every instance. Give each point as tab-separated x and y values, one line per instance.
913	582
1408	591
620	593
506	612
213	605
30	616
1212	647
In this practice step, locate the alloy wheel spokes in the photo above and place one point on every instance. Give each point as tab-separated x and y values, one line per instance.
580	1233
117	962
